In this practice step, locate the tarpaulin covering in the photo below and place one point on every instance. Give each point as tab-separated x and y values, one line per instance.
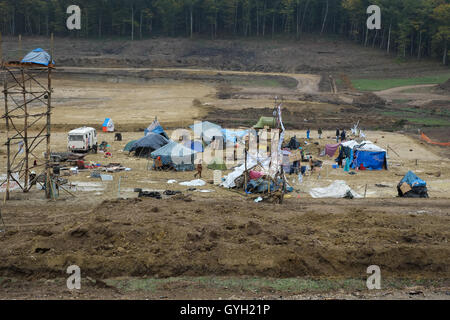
175	153
413	180
108	125
148	144
338	189
38	56
129	145
370	160
425	138
206	130
155	127
330	149
265	121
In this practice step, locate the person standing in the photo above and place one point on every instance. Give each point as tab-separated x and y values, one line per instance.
337	135
307	133
343	135
199	170
320	133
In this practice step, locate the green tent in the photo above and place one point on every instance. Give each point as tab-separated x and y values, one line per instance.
265	121
217	164
129	145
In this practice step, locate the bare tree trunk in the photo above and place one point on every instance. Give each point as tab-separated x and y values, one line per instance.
304	16
389	39
100	25
132	23
140	27
298	20
420	45
192	20
264	19
273	24
444	58
324	19
375	38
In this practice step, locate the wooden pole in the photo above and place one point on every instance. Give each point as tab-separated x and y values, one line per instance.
51	47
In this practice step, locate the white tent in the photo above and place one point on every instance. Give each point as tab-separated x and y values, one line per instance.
108	125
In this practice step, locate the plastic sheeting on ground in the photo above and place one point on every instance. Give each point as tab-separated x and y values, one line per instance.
338	189
193	183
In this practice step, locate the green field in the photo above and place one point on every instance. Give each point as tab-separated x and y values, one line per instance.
384	84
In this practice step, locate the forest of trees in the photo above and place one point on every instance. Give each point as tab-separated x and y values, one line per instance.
410	28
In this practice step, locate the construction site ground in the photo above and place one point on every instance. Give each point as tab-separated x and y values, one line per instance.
218	243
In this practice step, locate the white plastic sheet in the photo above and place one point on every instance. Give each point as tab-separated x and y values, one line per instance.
338	189
193	183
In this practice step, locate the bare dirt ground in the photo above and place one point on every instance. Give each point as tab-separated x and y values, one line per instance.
216	243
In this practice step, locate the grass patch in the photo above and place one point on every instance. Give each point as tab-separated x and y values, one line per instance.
256	284
384	84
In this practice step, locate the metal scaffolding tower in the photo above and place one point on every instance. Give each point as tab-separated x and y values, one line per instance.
27	113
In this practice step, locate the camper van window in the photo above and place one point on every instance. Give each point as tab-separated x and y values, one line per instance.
75	138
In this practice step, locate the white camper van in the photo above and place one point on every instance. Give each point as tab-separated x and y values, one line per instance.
82	140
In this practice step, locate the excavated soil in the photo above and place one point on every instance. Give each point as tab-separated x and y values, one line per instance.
193	236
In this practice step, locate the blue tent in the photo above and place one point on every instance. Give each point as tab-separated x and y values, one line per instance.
370	160
156	127
413	180
148	144
38	56
177	155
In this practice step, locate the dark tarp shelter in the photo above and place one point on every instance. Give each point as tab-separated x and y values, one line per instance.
146	145
129	145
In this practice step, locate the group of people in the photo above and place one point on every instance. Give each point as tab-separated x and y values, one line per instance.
342	134
319	131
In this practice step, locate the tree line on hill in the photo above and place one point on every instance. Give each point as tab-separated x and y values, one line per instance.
414	28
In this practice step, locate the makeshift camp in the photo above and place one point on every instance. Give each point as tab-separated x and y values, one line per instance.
206	131
411	186
338	189
270	122
38	56
176	155
129	145
108	125
146	145
156	127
